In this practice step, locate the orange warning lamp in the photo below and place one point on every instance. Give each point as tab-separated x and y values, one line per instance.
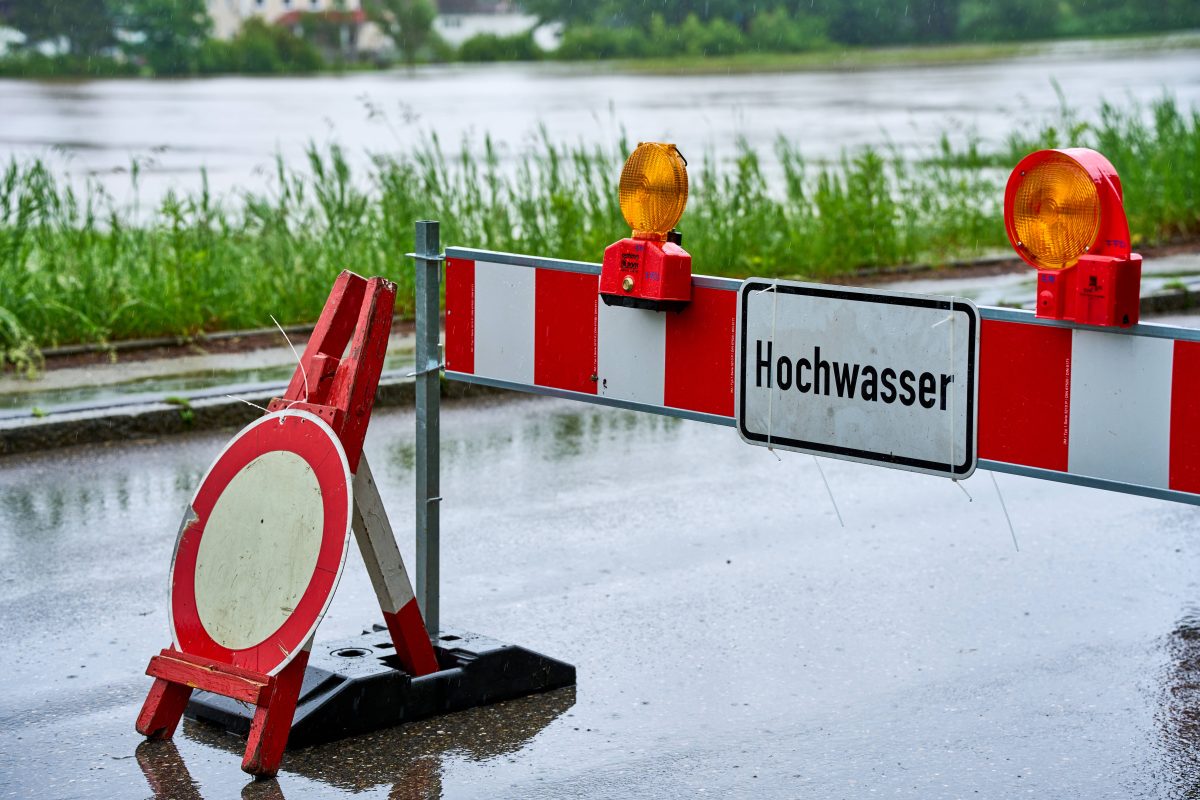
1065	215
650	269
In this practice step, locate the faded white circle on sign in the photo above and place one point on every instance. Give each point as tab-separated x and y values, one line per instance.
259	549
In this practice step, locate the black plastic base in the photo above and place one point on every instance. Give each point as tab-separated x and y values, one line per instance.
355	686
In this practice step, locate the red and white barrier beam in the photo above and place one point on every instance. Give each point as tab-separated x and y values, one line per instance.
536	324
1114	409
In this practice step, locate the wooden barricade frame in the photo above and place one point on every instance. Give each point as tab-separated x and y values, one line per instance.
336	381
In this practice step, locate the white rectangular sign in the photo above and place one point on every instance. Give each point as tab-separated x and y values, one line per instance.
878	377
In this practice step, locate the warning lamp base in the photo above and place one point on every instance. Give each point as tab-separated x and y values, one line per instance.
1099	290
355	686
644	273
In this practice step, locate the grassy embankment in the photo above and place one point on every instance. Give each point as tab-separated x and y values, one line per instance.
78	267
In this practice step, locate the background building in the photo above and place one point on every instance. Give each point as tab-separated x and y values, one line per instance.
228	15
457	21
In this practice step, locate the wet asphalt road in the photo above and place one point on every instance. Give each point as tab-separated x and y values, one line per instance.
731	638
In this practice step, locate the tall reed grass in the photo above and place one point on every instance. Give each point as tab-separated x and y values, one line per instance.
77	266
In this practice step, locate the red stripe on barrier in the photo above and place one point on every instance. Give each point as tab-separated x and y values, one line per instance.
1024	394
407	628
700	348
1185	418
460	315
565	330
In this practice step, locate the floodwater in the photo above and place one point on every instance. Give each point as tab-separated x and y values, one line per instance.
731	638
233	127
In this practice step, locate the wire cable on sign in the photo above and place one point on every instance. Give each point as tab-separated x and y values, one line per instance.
771	393
953	398
829	491
426	371
247	402
953	395
1004	508
303	372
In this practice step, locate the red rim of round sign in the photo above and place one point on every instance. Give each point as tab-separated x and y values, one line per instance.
306	435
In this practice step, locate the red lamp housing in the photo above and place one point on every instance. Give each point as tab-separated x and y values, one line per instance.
645	273
650	269
1064	214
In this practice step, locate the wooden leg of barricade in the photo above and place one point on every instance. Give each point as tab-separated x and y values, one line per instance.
273	719
274	696
389	577
163	709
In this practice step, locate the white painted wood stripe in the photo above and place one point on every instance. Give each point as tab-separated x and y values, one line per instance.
504	321
1120	426
631	354
377	543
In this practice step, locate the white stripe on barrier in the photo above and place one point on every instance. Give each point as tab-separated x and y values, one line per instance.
631	354
504	321
1121	407
377	543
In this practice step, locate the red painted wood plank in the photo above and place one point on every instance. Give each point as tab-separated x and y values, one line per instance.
332	332
413	648
357	379
1024	394
460	315
273	720
1185	418
565	317
210	677
163	708
700	353
208	663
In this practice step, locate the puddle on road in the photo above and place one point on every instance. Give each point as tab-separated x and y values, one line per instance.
1179	711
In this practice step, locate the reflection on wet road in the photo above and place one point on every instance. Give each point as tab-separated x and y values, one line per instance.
405	761
730	636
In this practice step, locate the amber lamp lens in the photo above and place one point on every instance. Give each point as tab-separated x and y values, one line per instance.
1056	212
653	190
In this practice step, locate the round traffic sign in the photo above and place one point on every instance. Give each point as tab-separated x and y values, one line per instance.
263	543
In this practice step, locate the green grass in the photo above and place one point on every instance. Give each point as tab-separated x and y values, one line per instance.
76	266
1158	161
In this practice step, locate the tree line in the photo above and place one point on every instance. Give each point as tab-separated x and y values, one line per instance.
174	37
798	25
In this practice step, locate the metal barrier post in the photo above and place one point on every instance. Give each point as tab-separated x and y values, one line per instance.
428	375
